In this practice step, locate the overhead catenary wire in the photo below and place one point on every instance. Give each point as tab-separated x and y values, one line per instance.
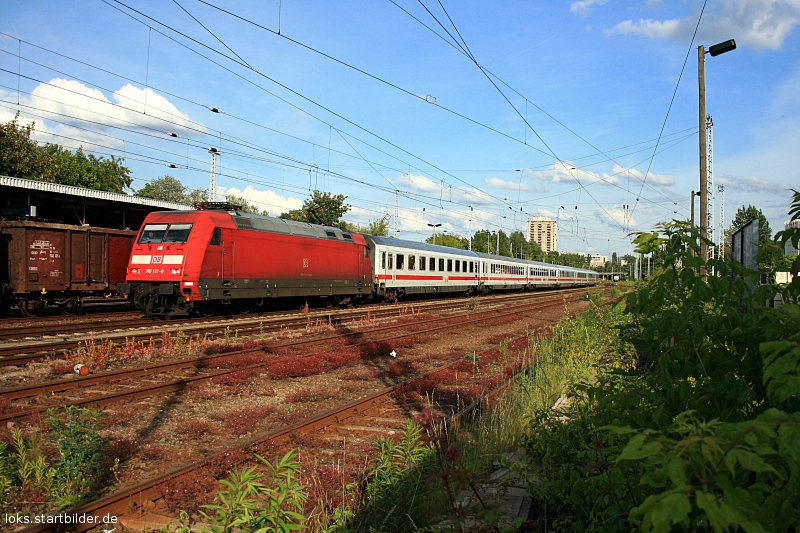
343	134
462	46
150	28
672	99
285	87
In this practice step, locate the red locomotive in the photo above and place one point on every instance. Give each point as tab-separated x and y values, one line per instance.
216	259
44	265
204	261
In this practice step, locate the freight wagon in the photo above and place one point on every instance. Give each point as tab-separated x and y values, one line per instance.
44	265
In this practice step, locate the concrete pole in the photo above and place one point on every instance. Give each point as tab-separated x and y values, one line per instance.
701	85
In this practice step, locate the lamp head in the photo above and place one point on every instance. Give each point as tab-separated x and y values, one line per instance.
721	48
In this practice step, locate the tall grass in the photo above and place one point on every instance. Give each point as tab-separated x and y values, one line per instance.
460	457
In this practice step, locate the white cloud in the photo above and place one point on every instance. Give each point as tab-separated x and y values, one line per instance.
264	200
582	7
616	217
77	103
762	24
567	173
753	183
653	29
441	190
652	177
67	104
508	185
419	183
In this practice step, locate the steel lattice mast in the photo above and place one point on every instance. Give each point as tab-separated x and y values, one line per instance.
710	182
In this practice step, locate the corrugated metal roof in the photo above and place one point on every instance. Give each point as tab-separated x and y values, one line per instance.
35	185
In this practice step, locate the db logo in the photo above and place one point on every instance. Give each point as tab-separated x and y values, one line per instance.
305	263
157	259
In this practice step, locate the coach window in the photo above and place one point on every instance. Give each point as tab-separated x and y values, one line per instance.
383	260
390	265
441	264
449	265
400	261
422	260
432	264
458	266
216	237
412	262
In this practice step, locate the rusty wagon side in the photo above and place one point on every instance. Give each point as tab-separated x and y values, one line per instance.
45	265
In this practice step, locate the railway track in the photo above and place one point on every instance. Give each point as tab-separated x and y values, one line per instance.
22	351
324	435
320	435
206	367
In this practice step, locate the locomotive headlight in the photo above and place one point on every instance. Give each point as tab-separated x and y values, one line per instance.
134	271
175	271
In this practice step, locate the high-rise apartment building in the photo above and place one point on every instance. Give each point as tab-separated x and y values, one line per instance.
544	232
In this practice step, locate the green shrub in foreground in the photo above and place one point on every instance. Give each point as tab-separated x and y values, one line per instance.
707	435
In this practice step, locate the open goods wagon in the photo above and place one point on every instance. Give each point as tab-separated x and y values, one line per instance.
44	265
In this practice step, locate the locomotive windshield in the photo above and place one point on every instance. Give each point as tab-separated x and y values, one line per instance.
164	233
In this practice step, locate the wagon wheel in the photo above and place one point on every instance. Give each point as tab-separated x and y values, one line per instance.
71	306
23	308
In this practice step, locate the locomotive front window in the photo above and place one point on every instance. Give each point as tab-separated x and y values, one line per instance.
177	233
161	233
153	233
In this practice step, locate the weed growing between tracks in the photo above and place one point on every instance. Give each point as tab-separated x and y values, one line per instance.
419	491
44	470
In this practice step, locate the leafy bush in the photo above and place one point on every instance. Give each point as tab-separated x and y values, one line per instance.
249	504
57	472
75	435
704	434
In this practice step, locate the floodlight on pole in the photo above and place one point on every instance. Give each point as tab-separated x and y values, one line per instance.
434	226
717	49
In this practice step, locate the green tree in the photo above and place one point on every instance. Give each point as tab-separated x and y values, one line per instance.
770	256
321	208
197	196
246	206
22	157
452	241
745	215
481	241
165	188
378	227
19	155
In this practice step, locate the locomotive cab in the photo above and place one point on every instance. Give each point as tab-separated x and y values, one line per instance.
161	279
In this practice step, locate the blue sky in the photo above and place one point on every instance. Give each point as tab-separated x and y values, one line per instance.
479	116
